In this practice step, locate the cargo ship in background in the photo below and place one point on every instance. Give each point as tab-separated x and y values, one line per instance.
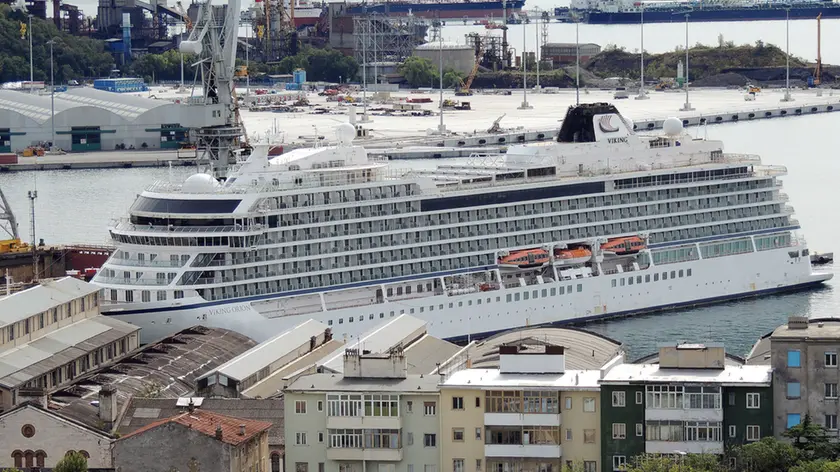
440	9
605	12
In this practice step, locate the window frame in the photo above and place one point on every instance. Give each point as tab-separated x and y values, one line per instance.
753	400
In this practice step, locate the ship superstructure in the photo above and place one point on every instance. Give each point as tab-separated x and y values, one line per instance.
603	223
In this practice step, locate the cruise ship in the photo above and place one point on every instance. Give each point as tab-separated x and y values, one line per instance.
600	222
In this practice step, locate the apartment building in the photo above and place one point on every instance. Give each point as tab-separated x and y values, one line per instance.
691	399
530	414
803	356
370	417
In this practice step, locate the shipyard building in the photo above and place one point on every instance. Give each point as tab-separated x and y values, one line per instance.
87	119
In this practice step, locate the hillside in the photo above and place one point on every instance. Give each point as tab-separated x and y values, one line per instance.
704	61
74	57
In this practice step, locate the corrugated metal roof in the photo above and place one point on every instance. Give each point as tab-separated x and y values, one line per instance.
39	357
167	368
49	294
268	352
38	107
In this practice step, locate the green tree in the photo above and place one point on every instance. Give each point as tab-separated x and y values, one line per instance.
72	462
12	470
452	78
419	71
83	56
768	455
811	440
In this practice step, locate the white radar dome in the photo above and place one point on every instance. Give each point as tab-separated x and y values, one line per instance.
672	126
198	183
346	133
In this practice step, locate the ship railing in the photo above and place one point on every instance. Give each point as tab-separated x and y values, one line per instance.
328	177
735	158
132	281
770	171
684	180
125	224
145	262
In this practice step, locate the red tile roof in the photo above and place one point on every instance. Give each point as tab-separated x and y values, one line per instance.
207	422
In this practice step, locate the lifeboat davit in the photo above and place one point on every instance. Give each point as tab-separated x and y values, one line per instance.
626	245
574	256
526	259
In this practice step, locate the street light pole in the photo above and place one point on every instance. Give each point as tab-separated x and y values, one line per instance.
687	105
247	61
525	105
441	126
365	38
787	97
31	67
537	50
642	94
577	61
52	94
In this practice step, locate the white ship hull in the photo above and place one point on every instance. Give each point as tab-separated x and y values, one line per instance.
712	280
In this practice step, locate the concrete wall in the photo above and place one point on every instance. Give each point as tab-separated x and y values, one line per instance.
470	418
579	421
53	435
812	377
413	422
174	446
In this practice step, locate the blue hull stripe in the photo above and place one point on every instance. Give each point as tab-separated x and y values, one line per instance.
402	279
652	309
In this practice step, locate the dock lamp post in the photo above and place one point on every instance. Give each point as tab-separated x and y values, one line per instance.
31	66
642	94
525	105
687	105
787	97
52	94
576	19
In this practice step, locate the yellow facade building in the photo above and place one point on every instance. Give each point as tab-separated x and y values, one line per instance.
530	414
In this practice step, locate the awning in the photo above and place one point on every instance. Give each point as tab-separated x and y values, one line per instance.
87	131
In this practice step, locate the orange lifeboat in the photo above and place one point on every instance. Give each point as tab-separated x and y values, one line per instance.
525	259
574	256
626	245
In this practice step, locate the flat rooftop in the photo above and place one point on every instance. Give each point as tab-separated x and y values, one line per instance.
818	329
741	375
57	348
338	383
50	293
493	378
422	351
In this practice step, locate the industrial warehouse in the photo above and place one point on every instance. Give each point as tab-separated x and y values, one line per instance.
86	119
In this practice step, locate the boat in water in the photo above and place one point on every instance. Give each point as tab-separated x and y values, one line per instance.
440	9
335	235
630	11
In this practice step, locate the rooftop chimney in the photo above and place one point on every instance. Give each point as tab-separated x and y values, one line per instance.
219	432
108	406
798	322
191	406
692	356
242	430
516	360
33	395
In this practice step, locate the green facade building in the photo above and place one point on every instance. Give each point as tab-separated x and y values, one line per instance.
691	399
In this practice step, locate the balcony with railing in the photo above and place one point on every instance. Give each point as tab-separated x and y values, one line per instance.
518	408
678	403
363	412
528	441
365	445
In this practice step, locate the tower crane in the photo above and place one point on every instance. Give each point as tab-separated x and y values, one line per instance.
479	50
187	21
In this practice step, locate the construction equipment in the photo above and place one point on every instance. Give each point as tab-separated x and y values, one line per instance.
465	86
495	128
187	21
818	68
